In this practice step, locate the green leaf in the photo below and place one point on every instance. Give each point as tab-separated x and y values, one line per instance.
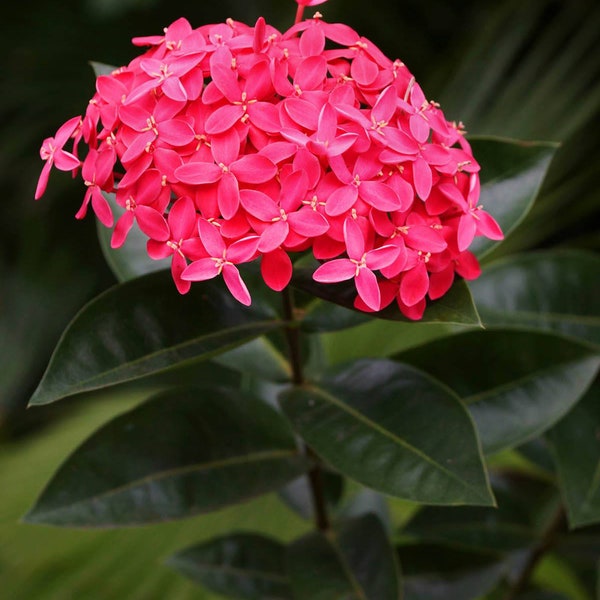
511	526
455	307
259	358
185	452
439	572
322	316
381	339
355	561
131	260
144	326
298	496
576	444
554	291
243	565
512	172
101	68
394	429
369	501
516	384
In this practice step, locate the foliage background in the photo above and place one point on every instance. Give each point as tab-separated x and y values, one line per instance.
528	69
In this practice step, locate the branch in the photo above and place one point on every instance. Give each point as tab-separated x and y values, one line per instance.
547	542
315	475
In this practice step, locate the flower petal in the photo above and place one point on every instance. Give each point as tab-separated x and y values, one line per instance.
198	173
333	271
379	195
228	195
254	168
223	118
200	270
273	236
236	285
308	222
368	290
414	285
276	269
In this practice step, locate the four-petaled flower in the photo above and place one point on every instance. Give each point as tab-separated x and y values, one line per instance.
222	259
54	155
359	265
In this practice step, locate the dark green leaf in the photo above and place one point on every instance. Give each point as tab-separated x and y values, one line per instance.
131	260
455	307
537	452
243	565
144	326
541	595
184	452
355	561
512	172
509	527
298	496
323	316
393	429
516	384
369	501
438	572
555	291
576	443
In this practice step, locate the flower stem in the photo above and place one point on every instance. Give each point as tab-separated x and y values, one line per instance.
299	14
315	475
546	543
292	335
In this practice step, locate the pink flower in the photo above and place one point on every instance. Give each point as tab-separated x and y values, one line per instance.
182	242
97	176
222	260
359	265
229	143
54	155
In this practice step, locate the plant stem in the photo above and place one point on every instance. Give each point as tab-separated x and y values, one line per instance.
292	335
546	543
315	475
299	14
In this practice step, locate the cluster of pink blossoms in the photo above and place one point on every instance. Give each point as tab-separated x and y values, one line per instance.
227	143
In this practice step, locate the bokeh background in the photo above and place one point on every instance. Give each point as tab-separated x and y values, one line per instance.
528	69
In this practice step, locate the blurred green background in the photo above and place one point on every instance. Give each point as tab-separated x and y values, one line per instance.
528	69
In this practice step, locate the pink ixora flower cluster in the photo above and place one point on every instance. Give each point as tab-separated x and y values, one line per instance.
227	143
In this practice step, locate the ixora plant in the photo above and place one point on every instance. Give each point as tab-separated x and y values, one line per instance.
304	191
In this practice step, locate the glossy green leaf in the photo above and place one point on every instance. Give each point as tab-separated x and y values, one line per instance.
510	526
393	429
554	291
144	326
439	572
354	561
243	565
455	307
259	358
298	496
131	260
576	444
185	452
516	384
512	172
